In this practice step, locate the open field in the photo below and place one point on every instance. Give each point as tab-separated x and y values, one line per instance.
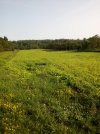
49	92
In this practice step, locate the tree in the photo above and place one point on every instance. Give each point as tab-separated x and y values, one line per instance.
5	38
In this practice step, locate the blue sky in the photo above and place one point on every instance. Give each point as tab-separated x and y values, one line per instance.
49	19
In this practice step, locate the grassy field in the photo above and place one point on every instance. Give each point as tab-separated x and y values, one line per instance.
49	92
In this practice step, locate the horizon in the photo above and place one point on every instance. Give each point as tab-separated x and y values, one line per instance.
52	39
40	20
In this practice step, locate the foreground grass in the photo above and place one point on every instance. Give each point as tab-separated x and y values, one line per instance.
49	92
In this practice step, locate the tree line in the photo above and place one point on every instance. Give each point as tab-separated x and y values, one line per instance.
90	44
6	45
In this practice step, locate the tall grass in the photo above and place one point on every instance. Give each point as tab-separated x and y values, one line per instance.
49	92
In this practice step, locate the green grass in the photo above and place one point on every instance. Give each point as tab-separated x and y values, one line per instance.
49	92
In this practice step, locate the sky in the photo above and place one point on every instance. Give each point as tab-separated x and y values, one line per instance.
49	19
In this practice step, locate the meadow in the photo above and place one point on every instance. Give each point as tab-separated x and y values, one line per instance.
49	92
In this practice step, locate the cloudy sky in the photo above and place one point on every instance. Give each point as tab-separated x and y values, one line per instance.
49	19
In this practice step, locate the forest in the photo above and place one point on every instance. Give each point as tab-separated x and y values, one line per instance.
90	44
